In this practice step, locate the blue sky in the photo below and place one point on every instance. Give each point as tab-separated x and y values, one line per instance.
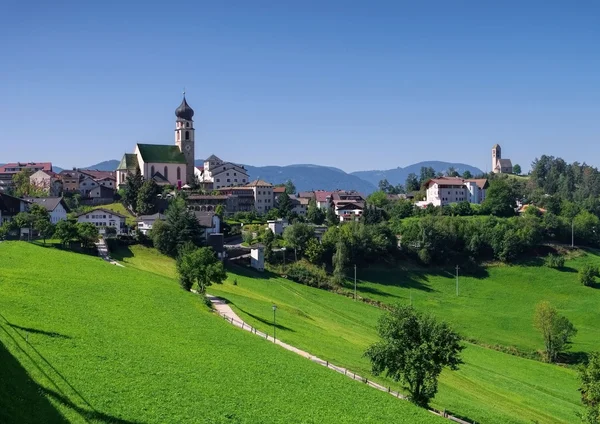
353	84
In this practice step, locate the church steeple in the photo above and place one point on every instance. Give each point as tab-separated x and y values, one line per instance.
184	137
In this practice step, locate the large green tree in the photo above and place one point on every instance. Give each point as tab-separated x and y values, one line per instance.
314	214
340	261
133	184
589	375
284	205
200	266
297	236
500	198
412	183
517	169
65	231
414	349
146	197
290	188
180	226
557	331
87	234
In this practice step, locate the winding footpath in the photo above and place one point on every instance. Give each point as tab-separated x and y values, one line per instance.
225	311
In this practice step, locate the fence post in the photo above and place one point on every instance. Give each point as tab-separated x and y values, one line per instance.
327	364
389	389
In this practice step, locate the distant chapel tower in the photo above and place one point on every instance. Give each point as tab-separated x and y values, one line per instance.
184	137
496	156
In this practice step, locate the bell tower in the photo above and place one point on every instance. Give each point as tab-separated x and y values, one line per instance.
185	137
496	156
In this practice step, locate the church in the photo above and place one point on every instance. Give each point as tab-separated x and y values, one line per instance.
165	164
499	165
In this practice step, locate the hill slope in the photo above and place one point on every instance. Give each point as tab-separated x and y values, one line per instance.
398	175
126	346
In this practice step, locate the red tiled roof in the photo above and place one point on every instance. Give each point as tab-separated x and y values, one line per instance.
481	182
278	190
46	166
99	175
321	195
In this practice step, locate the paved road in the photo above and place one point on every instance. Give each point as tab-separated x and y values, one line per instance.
103	252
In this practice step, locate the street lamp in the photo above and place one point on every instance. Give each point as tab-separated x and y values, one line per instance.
274	336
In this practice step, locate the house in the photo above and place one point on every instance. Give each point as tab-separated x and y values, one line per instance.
101	194
145	222
70	180
209	202
56	207
11	206
104	178
104	218
241	199
257	257
299	205
277	226
323	199
210	222
8	170
86	184
348	205
216	174
446	190
174	163
47	181
263	195
499	165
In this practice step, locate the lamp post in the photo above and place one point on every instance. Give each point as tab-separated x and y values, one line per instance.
274	327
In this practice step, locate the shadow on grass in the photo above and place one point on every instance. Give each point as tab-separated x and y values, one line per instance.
21	398
267	322
120	253
42	332
38	361
397	277
250	272
574	358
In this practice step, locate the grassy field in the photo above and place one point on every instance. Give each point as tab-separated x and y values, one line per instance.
85	341
497	309
490	387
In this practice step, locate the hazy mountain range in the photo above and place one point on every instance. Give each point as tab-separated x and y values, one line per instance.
311	177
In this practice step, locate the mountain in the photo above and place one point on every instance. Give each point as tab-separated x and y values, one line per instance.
308	177
107	165
398	175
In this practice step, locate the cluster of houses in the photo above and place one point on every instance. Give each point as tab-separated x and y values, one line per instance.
229	185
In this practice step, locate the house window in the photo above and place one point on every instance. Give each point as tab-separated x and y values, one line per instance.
228	180
218	180
235	174
228	174
152	171
187	135
166	173
178	173
187	124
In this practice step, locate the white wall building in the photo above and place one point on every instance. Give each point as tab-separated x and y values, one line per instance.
446	190
103	218
56	207
263	195
145	222
257	257
217	174
277	226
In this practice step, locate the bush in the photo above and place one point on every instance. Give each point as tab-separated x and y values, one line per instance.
310	275
588	274
554	261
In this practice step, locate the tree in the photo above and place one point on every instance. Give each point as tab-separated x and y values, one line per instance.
314	214
290	188
467	175
589	375
340	260
372	215
22	185
452	172
87	233
284	204
297	236
384	186
314	251
426	173
65	231
378	199
414	349
557	331
500	198
23	220
146	197
220	211
133	184
332	218
200	266
517	169
412	183
272	214
588	274
44	229
180	226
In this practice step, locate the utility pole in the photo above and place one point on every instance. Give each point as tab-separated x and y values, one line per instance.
355	282
457	268
572	233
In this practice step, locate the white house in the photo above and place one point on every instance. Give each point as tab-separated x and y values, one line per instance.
145	222
277	226
209	221
446	190
56	207
216	174
263	195
47	181
103	218
86	185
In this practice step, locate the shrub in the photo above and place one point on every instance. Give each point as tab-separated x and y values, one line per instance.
554	261
587	275
310	275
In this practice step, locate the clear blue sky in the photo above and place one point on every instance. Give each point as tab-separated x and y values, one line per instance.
353	84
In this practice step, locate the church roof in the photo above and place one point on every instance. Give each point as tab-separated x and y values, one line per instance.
129	162
495	146
505	163
160	179
212	158
161	153
184	111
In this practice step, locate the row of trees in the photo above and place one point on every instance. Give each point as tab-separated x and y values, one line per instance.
139	195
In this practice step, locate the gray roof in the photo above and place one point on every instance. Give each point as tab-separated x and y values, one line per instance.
156	216
205	218
505	163
49	203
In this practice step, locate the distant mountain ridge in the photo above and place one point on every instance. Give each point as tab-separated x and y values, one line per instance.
398	175
308	177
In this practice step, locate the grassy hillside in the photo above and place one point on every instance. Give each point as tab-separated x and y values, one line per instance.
490	387
503	301
85	341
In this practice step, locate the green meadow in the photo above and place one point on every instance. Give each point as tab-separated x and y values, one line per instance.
85	341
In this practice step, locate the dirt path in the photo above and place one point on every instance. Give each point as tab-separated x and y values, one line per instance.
225	311
103	252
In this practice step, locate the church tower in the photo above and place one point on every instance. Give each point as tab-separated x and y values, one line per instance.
496	156
184	137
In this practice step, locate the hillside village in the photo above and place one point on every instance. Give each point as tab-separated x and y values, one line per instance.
500	246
